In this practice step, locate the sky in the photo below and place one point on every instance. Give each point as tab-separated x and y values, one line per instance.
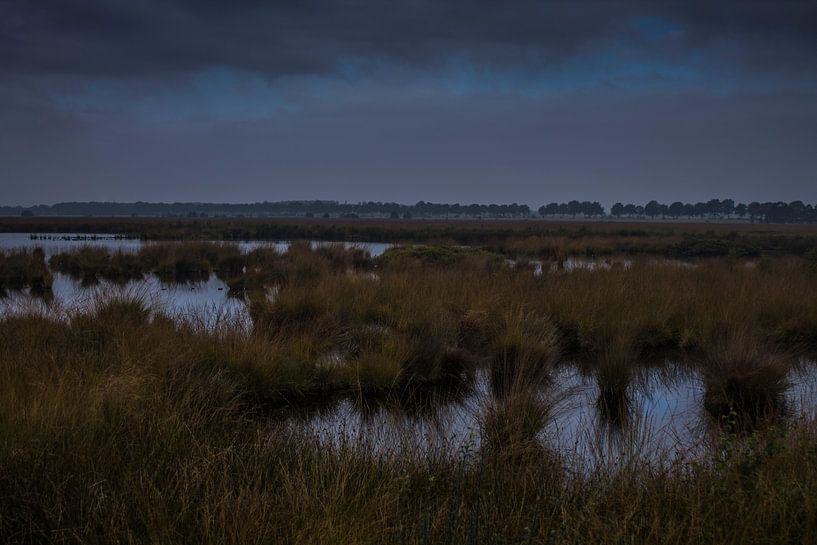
524	101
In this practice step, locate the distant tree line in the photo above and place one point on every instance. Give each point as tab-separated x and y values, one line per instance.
767	212
715	209
314	208
573	208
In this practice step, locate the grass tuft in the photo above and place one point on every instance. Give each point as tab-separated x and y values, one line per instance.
744	377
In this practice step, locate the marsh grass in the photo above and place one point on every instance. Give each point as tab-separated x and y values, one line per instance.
185	262
121	424
745	379
810	260
511	425
90	264
533	239
524	351
24	268
142	436
440	255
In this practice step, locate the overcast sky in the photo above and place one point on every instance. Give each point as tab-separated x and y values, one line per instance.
437	100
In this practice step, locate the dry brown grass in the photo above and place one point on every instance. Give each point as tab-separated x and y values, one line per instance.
121	425
745	378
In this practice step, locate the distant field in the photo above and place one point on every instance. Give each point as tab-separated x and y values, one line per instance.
538	226
514	238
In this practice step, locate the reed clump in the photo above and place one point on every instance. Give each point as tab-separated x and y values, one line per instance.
439	256
745	378
614	371
263	268
511	425
172	262
523	353
24	268
90	264
187	262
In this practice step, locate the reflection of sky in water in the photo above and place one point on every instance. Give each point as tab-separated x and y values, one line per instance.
801	397
59	242
665	424
206	303
663	418
594	264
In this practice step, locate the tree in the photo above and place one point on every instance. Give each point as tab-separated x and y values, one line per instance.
714	208
652	209
595	209
755	211
676	209
617	210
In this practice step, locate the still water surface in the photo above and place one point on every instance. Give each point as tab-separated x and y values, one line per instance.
205	301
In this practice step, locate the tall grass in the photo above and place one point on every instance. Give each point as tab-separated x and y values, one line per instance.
24	268
119	424
134	435
744	378
90	264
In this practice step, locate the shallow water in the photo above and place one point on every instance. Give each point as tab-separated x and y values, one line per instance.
53	243
593	264
664	423
207	302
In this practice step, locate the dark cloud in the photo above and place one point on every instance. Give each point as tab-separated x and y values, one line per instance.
153	37
449	100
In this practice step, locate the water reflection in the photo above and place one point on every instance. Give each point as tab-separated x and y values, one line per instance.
663	423
205	302
53	243
192	294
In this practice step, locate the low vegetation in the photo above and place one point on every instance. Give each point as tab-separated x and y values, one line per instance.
119	423
511	238
91	264
144	430
744	378
24	269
